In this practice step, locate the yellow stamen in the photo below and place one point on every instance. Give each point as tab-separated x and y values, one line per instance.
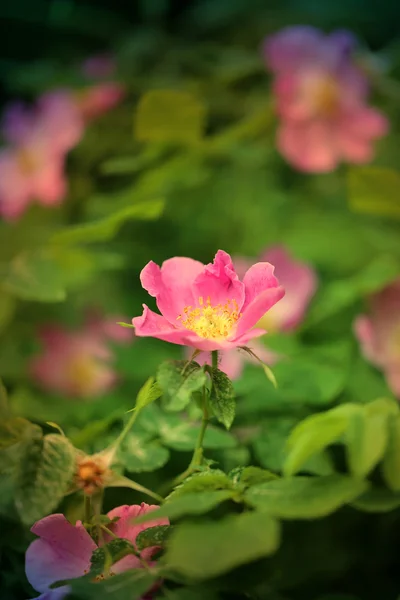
82	372
209	321
27	161
324	94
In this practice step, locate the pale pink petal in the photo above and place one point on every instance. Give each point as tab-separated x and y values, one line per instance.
309	146
262	291
100	66
17	122
231	362
15	187
127	529
364	331
393	378
98	99
172	285
62	552
299	281
364	123
154	325
219	282
54	594
59	120
292	47
49	183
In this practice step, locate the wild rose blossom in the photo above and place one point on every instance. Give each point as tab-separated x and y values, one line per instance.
78	364
299	281
63	551
321	99
206	307
98	99
32	167
378	333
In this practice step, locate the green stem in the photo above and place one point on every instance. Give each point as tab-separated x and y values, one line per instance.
116	444
88	508
214	359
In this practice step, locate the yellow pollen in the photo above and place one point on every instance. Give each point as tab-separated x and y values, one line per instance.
82	372
326	96
210	322
27	161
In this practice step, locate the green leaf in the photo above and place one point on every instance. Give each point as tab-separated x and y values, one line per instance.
152	536
207	549
374	190
7	309
182	435
105	229
193	503
15	430
44	475
305	497
137	454
222	397
367	436
377	500
178	379
391	460
204	480
147	394
339	294
35	276
4	405
313	434
103	558
132	584
247	476
169	116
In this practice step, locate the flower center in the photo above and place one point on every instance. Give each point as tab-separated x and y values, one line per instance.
82	373
27	161
91	474
209	321
324	95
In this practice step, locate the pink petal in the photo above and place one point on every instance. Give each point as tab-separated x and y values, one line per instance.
299	282
17	122
150	324
49	184
364	123
100	98
55	594
59	120
219	282
99	66
393	378
309	146
172	285
15	187
292	47
262	292
230	361
364	331
125	528
62	552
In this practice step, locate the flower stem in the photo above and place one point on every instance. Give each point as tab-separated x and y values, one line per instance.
214	359
88	508
116	444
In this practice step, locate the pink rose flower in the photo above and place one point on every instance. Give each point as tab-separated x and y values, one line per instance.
78	364
206	307
379	334
299	282
99	66
100	98
32	167
64	551
321	99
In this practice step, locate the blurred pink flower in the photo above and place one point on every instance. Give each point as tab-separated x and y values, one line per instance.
78	363
32	167
299	282
99	66
64	551
379	334
206	307
321	99
98	99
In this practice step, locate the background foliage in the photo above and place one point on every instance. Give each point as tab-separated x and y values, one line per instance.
185	165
